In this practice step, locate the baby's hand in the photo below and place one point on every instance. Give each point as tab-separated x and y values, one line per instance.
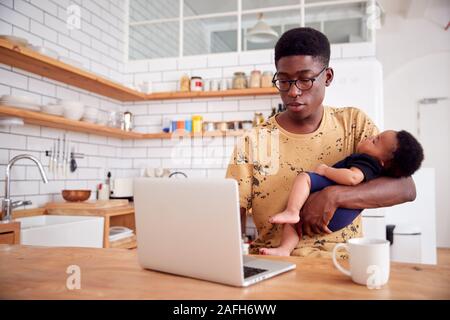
321	168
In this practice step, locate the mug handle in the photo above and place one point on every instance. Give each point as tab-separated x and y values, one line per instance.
336	263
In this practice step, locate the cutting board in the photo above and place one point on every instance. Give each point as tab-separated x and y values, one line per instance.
86	207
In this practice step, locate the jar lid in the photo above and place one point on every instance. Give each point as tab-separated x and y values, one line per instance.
196	77
268	73
239	73
256	71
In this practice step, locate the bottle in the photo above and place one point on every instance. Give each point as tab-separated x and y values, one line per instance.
274	112
281	108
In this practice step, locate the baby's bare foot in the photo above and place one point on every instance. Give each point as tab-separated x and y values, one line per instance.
285	217
275	251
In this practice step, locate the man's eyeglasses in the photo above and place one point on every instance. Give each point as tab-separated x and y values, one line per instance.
302	84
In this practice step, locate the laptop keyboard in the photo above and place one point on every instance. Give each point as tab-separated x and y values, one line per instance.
249	271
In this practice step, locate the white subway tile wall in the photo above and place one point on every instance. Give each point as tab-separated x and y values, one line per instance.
100	45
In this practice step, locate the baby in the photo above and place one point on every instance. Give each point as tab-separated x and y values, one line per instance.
391	153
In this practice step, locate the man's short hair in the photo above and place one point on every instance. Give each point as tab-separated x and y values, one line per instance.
303	42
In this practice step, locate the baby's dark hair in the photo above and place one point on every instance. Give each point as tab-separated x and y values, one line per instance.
303	42
407	158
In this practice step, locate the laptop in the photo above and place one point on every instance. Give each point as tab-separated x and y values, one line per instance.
191	227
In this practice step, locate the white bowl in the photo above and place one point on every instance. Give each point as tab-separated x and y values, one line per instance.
71	103
73	113
55	109
90	112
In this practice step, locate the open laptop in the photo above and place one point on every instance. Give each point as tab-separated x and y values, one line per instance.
191	227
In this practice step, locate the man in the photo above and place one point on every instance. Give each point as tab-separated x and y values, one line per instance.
303	136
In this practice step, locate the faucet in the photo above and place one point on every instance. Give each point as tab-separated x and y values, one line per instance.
7	205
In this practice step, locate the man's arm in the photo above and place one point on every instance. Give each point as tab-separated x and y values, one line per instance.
318	210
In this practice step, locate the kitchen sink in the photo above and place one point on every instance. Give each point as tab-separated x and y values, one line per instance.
62	231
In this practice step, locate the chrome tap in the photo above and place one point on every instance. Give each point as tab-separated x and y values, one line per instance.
7	205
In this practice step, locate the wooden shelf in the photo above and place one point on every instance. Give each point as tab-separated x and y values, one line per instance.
212	94
32	61
48	120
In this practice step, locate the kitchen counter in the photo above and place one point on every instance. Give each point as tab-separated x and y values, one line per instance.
40	273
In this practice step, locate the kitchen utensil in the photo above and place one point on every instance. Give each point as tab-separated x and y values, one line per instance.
73	162
76	195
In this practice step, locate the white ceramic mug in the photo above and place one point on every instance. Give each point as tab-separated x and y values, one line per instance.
369	261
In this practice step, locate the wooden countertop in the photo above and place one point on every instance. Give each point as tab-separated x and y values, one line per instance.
40	273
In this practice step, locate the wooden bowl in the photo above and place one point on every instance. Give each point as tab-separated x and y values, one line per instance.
76	195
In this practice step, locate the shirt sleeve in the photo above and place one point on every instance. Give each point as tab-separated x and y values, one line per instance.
241	170
368	165
364	127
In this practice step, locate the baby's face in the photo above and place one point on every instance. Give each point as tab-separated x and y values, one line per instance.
381	146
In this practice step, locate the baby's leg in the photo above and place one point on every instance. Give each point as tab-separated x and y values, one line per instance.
289	241
297	197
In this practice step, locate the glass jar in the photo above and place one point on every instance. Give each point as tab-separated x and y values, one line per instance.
196	84
258	119
255	79
266	79
239	80
185	83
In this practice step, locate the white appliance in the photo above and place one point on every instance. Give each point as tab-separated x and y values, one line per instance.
121	188
407	243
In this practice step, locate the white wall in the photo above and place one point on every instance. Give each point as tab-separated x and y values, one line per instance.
415	54
99	46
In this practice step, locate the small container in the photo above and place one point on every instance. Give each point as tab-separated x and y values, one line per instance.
180	124
223	85
185	83
239	80
196	84
208	126
222	126
258	119
266	79
247	125
128	121
188	125
214	85
255	79
207	85
197	123
173	126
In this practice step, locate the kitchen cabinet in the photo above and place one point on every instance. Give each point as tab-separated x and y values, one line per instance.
9	232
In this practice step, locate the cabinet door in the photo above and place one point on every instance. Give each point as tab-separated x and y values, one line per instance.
7	238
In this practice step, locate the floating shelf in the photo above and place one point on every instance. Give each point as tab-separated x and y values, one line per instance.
48	120
212	94
32	61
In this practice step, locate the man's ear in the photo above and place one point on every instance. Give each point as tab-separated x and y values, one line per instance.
329	76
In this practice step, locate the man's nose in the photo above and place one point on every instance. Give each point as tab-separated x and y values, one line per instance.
294	91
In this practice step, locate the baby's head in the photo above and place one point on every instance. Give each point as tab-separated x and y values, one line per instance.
399	152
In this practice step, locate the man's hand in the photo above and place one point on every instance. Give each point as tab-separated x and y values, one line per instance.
321	168
317	212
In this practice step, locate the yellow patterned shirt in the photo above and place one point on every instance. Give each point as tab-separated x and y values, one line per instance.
266	160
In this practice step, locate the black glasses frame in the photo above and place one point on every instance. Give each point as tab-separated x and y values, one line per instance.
297	82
